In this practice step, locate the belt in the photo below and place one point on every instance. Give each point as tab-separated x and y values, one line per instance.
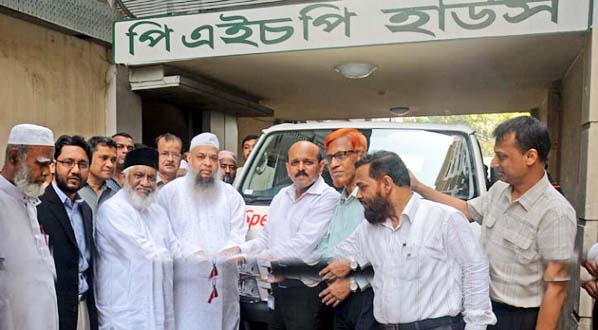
424	324
83	296
288	284
503	306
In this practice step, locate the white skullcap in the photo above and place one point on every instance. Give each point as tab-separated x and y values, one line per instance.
29	134
227	154
205	139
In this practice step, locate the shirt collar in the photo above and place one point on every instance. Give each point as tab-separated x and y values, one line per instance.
317	188
351	196
12	191
112	184
63	197
534	193
411	208
409	211
102	188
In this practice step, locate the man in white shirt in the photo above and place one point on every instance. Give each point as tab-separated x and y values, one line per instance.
297	221
27	272
170	149
429	270
207	216
136	248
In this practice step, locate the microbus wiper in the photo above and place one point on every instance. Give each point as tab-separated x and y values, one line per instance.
253	199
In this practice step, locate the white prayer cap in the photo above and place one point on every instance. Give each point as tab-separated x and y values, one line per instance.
205	139
227	154
29	134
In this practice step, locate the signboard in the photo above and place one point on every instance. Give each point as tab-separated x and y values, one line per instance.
346	23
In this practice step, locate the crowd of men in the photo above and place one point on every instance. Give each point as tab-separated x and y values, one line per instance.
119	236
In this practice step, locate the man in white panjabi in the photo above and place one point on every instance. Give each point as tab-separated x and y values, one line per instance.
207	216
27	273
136	247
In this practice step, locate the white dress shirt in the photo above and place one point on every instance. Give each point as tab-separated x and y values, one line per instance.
27	272
430	266
296	226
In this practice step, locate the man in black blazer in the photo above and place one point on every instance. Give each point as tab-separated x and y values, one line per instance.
67	221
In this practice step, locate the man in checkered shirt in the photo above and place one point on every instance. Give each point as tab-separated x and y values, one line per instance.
528	229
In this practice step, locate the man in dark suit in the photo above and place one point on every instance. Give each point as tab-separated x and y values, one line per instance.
67	221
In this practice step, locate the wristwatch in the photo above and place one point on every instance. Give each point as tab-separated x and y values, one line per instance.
353	285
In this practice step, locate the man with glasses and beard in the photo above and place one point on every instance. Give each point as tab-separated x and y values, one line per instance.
207	216
27	292
67	220
136	247
429	270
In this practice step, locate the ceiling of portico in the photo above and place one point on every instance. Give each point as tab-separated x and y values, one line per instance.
434	78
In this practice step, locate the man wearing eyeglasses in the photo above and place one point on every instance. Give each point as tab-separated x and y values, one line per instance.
352	296
169	148
67	221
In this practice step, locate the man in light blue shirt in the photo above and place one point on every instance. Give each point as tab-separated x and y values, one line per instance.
73	210
352	297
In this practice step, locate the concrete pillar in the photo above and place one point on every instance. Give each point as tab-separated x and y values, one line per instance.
225	127
128	106
587	208
111	81
123	106
551	114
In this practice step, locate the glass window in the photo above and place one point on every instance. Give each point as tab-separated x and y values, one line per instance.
439	159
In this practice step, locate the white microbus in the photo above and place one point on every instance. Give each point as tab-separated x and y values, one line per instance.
447	157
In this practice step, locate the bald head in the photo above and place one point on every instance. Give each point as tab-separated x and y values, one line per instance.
305	147
305	165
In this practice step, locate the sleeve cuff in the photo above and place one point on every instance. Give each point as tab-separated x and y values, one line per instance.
478	319
362	282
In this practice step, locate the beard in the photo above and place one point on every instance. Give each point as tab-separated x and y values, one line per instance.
24	184
376	210
140	202
203	188
62	184
227	178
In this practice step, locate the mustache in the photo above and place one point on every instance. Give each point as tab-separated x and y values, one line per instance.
300	173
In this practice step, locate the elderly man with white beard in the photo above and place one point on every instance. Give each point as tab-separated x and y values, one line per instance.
136	247
207	216
27	294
